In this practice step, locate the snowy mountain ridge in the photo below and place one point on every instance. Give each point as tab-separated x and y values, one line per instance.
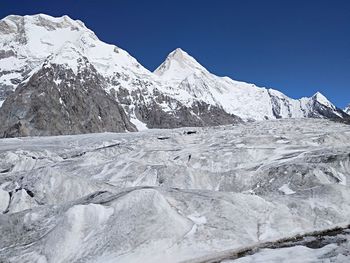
180	92
347	109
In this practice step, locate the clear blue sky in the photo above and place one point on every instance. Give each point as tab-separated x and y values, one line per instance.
296	46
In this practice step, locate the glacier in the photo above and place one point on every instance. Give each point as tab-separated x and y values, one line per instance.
177	195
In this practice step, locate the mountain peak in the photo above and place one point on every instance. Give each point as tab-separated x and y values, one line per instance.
179	54
42	20
320	98
45	20
179	65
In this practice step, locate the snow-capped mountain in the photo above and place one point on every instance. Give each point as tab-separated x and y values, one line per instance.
193	82
180	92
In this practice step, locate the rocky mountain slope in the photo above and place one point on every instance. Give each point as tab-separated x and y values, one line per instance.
180	195
180	92
56	101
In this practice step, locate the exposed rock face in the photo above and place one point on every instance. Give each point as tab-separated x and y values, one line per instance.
320	110
155	115
201	114
5	91
55	101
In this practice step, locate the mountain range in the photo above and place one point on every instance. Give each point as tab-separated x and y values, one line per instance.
57	77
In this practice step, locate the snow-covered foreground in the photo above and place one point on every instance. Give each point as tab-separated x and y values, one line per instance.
174	195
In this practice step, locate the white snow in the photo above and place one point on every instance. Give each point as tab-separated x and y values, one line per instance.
21	201
4	200
197	219
141	126
286	190
132	197
57	81
178	66
323	100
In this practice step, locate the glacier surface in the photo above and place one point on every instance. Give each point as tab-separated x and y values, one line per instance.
181	195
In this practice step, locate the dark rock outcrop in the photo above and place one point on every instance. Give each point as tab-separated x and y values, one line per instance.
152	113
56	101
